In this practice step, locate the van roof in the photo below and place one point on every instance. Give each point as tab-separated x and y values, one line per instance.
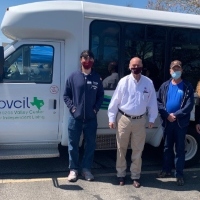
62	19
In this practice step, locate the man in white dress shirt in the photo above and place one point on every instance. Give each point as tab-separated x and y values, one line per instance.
134	95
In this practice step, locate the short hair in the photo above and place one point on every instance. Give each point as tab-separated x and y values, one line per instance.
87	53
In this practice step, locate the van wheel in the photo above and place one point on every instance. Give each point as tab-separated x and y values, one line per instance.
192	147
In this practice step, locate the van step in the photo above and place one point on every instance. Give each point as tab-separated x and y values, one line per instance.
23	151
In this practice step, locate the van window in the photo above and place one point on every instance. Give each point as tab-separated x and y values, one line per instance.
29	64
186	47
118	42
147	42
104	43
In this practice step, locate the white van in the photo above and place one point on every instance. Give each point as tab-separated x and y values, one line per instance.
48	38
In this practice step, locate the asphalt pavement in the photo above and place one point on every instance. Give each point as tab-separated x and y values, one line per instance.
45	179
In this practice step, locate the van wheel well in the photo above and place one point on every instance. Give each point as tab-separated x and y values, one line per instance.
192	147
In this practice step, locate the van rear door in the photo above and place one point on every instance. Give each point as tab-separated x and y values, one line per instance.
30	93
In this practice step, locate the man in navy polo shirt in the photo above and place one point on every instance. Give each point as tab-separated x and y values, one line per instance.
175	102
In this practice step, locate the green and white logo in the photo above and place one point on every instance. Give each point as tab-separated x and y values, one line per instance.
22	109
38	103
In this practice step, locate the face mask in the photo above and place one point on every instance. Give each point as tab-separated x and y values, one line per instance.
176	75
87	65
136	70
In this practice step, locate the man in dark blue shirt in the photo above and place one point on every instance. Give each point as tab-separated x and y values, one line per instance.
83	96
175	102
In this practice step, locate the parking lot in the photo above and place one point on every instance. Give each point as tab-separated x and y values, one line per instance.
45	179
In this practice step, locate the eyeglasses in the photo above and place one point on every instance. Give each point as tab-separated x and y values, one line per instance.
88	58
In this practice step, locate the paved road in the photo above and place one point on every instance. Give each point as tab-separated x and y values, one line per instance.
45	179
104	162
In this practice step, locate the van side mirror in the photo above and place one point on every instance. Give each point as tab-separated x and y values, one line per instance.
1	62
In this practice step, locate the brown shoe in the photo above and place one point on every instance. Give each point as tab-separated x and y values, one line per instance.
136	183
121	181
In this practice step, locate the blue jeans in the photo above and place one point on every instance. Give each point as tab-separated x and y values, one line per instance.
75	128
174	135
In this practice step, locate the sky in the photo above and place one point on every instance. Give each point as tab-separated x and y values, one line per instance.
8	3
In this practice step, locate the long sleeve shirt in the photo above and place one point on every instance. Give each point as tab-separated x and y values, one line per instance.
84	94
134	98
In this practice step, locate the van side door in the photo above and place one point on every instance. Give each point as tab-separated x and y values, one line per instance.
30	93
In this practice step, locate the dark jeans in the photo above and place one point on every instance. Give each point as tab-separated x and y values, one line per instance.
174	135
75	128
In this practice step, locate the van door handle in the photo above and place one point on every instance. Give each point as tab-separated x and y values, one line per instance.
54	104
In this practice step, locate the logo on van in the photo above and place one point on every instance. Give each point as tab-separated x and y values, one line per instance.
19	104
38	103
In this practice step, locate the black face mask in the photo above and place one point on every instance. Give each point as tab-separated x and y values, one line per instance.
136	70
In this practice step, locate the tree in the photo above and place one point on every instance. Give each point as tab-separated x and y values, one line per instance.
184	6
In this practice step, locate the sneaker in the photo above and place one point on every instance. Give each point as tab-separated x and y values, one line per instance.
73	176
87	175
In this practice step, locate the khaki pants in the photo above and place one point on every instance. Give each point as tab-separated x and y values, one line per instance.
130	130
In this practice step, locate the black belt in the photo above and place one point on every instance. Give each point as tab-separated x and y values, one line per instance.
132	117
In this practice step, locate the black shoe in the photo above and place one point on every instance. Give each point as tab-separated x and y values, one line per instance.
121	181
163	174
180	181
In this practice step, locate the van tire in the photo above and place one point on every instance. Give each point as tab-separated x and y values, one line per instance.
192	147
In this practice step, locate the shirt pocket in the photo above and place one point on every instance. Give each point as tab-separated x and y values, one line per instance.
146	96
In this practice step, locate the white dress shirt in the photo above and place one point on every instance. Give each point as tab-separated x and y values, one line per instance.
134	98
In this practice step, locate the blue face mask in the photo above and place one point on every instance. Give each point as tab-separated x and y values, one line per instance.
176	75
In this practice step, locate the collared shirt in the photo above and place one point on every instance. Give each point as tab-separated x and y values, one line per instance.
111	81
134	98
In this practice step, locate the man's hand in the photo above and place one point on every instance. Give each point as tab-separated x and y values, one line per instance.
198	128
150	125
171	117
112	125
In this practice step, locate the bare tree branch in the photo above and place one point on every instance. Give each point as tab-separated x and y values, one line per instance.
184	6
